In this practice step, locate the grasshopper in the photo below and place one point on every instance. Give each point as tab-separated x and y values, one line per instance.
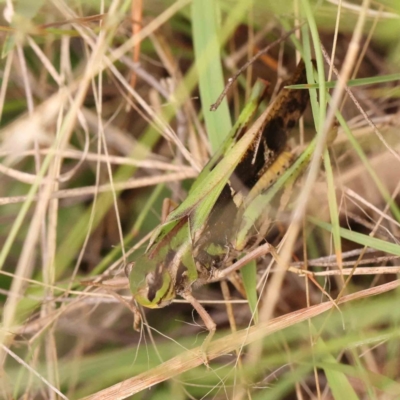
202	238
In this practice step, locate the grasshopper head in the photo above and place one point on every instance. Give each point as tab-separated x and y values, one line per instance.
151	284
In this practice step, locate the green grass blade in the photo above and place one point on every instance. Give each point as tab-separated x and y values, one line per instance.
209	68
333	208
360	238
337	380
249	276
372	80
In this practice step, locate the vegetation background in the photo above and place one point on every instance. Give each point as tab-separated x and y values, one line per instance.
104	112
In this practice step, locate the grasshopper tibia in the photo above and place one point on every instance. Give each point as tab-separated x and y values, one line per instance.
208	322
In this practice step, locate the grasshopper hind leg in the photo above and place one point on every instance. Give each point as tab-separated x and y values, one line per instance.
208	322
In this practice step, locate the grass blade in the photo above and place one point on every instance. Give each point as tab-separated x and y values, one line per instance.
209	69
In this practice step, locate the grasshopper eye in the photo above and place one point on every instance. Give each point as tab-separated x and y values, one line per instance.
157	291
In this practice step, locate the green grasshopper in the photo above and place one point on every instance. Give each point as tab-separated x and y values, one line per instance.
201	240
